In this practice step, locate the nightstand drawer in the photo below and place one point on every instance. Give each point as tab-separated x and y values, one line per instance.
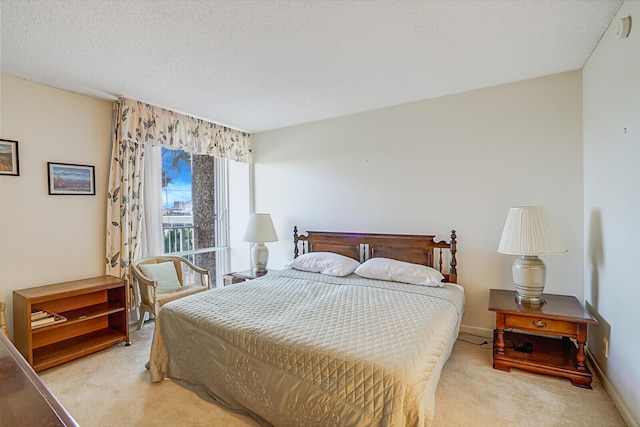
542	325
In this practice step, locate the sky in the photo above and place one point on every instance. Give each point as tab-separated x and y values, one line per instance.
179	189
70	173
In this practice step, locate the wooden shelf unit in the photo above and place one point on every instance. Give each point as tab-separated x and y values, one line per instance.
97	318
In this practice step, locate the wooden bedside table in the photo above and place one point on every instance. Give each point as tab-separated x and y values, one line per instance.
239	277
561	316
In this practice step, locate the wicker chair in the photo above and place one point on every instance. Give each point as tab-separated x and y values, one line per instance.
191	280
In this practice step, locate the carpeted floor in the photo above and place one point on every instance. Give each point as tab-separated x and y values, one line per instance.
112	388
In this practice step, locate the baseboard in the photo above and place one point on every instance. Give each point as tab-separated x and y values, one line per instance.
611	391
473	330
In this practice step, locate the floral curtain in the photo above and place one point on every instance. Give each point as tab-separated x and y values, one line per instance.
149	124
137	124
124	205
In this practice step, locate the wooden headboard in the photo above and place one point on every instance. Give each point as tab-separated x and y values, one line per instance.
417	249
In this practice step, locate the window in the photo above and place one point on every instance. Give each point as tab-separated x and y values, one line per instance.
194	205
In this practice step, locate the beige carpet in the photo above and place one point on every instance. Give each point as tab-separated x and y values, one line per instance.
112	388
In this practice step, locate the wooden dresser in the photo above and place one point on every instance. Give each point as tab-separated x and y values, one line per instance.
24	399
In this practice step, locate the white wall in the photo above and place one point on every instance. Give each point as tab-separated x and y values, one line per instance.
47	239
458	162
612	206
239	208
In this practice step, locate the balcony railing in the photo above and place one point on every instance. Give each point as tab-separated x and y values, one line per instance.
178	238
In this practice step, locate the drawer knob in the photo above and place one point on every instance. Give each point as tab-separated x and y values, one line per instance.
539	324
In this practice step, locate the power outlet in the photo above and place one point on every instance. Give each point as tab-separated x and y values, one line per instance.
605	347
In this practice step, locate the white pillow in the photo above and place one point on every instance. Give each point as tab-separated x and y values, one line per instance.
164	273
400	271
327	263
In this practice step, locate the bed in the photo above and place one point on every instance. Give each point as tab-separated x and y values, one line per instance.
301	348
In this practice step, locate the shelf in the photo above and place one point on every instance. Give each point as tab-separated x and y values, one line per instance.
83	314
547	351
551	356
96	313
63	351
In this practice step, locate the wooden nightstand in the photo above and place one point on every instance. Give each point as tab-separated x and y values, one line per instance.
239	277
561	316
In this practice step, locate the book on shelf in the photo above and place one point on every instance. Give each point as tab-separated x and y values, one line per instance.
39	314
43	321
44	318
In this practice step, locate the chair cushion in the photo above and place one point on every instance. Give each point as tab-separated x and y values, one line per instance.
164	273
176	294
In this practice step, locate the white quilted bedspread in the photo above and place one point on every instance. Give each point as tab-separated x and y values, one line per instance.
303	349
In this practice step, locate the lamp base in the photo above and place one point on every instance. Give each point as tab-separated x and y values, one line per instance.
259	258
529	300
529	276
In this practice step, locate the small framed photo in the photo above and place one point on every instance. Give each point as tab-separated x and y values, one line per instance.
9	161
69	179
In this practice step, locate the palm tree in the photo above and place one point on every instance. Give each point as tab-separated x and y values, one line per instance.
177	157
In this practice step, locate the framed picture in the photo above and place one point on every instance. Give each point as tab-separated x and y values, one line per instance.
69	179
9	161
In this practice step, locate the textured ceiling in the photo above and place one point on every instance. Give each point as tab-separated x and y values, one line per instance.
259	65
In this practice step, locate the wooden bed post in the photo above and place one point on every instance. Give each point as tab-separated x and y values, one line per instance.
453	272
295	241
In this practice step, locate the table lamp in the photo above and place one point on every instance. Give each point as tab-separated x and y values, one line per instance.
528	233
260	230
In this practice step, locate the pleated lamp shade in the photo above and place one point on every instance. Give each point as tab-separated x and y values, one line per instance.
529	231
260	229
